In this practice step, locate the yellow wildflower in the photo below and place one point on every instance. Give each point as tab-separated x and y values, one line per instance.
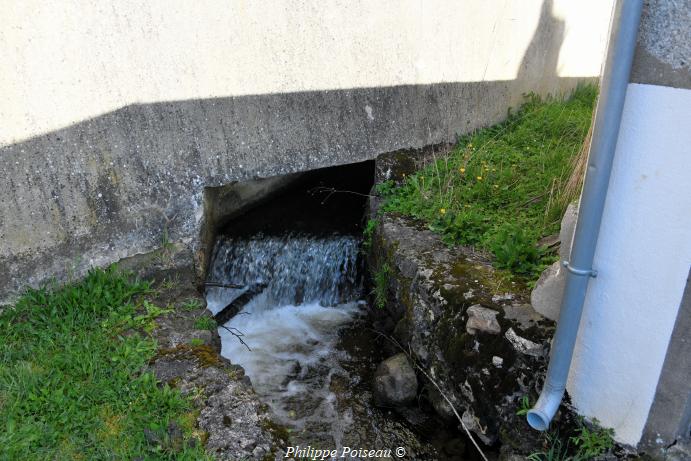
479	178
442	210
462	170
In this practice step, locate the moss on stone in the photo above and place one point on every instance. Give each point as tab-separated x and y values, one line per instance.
204	354
280	435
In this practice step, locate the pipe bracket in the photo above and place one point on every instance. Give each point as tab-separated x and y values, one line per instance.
577	271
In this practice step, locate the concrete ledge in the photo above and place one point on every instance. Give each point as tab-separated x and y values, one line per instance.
124	182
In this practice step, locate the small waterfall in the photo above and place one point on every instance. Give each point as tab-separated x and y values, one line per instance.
292	327
296	268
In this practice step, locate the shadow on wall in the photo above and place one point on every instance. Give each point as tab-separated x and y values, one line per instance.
121	183
540	60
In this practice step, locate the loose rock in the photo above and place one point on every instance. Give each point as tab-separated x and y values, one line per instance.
523	345
548	291
395	382
483	320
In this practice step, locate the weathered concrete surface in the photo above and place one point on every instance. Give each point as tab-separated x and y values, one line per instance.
549	289
663	53
113	125
669	419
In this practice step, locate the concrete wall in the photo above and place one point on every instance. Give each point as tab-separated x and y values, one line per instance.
630	370
116	115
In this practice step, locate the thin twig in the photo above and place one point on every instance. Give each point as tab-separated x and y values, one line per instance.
417	365
238	334
333	190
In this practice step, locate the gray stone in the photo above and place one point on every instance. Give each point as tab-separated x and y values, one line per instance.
395	382
523	345
679	452
524	314
482	319
669	418
442	406
473	423
548	291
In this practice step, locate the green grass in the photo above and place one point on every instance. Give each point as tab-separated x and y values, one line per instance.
192	304
368	233
71	381
381	284
588	442
195	342
501	189
593	441
205	323
524	406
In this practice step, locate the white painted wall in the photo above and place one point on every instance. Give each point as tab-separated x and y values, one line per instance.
642	258
70	60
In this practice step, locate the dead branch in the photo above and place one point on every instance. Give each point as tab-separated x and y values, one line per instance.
238	334
237	304
223	285
532	200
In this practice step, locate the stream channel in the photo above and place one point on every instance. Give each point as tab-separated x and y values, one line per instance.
308	342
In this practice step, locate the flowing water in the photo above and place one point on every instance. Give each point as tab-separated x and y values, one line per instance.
310	354
292	327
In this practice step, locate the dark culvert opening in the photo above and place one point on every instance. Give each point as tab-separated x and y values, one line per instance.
290	293
320	202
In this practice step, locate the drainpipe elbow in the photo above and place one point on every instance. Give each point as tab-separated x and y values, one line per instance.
544	410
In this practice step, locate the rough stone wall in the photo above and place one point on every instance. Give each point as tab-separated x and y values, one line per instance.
116	115
472	331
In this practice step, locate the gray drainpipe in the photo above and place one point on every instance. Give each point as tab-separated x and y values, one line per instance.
615	79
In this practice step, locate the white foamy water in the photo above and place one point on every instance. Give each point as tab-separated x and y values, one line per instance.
293	360
292	327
